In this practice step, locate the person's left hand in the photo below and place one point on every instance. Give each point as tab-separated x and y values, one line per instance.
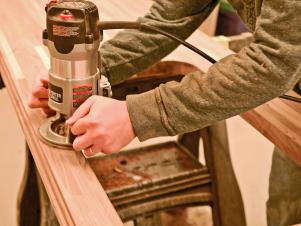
101	124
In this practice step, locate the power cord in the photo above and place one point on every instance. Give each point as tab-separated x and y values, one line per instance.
109	25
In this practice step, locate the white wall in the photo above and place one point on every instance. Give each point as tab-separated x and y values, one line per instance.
252	156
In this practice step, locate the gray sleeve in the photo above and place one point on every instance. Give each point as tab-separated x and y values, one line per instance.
131	51
260	72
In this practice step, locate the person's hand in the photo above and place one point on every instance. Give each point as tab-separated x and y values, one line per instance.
101	124
39	97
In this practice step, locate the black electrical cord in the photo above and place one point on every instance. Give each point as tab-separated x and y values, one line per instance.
291	98
109	25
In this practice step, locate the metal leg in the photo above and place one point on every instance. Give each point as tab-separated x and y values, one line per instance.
28	206
228	210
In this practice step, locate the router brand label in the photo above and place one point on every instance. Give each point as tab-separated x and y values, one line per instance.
55	93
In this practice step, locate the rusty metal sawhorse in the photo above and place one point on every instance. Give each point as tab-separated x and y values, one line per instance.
211	184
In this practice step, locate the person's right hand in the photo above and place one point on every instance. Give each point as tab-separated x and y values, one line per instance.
39	97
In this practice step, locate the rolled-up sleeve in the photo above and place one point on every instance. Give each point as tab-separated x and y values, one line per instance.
265	69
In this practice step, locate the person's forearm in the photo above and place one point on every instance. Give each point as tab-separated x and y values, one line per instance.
131	51
265	69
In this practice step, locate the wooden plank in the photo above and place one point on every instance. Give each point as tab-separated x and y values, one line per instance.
72	186
75	193
279	121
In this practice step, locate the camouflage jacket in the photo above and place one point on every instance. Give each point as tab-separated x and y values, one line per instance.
265	69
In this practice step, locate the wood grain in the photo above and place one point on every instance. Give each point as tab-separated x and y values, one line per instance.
74	190
72	186
280	122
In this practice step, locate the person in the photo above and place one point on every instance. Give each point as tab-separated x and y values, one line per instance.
265	69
